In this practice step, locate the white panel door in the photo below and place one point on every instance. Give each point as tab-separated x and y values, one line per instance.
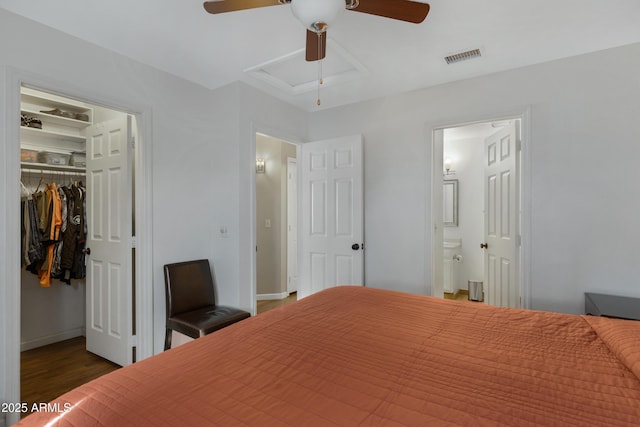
331	241
109	220
501	218
292	225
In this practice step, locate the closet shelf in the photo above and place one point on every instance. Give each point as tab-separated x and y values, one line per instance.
50	101
27	132
59	120
41	167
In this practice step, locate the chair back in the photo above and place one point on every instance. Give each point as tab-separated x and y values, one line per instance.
189	286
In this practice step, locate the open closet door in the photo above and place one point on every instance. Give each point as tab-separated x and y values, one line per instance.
332	251
109	213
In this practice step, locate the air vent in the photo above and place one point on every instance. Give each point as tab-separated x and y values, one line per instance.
462	56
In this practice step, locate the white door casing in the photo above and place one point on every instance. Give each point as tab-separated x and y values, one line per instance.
437	256
332	234
292	225
501	182
109	215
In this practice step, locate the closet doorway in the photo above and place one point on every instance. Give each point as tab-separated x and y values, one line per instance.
276	220
76	164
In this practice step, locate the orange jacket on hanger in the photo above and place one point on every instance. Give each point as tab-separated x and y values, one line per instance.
54	234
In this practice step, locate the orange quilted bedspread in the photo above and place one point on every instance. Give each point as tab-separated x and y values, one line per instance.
352	356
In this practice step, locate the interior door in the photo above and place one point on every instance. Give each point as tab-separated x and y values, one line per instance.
501	180
332	251
109	213
292	225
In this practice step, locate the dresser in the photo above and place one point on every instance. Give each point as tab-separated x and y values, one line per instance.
612	306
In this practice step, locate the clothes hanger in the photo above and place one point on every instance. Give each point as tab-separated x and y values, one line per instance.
24	191
40	182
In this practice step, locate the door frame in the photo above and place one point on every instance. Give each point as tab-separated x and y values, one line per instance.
257	128
292	163
143	340
434	219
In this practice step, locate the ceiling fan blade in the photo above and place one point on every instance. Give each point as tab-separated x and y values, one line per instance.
316	49
221	6
403	10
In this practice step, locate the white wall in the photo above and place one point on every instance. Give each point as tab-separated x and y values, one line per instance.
583	152
395	194
5	314
49	315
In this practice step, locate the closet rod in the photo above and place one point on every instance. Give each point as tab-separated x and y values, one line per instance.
54	172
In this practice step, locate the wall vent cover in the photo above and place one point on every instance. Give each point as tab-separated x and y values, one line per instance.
463	56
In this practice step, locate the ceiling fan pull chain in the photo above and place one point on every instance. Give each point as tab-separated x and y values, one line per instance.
319	83
319	67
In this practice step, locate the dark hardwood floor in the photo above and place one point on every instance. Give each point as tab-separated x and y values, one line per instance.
49	371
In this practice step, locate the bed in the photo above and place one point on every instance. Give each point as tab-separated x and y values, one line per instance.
353	356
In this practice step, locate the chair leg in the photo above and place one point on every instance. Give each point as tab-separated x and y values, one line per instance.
167	339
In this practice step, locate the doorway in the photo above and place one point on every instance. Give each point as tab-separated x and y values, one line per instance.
467	203
276	219
142	322
77	275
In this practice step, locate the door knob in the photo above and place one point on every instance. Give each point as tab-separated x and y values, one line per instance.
355	246
484	245
86	251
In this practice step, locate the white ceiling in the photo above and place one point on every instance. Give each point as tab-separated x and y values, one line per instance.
389	56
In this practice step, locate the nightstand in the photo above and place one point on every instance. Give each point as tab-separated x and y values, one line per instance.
612	306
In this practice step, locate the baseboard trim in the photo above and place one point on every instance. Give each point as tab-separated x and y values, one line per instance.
50	339
262	297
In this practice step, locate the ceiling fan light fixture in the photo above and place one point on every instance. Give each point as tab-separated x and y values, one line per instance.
352	4
317	15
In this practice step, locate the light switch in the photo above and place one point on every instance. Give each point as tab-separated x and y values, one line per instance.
267	223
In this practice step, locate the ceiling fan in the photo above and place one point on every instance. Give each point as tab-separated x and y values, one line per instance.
317	15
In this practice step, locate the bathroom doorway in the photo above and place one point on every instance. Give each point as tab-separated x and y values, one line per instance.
478	211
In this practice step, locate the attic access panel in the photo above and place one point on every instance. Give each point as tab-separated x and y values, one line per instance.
294	75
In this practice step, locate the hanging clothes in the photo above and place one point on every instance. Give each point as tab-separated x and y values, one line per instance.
53	235
56	269
54	231
79	269
32	250
72	261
